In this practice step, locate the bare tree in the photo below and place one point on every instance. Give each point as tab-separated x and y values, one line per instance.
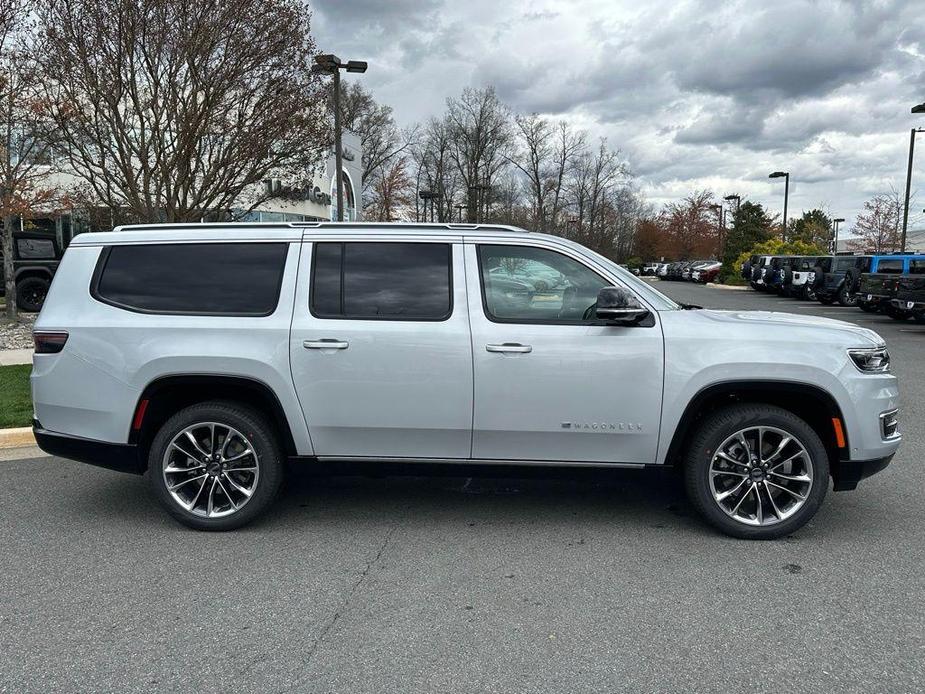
26	141
172	108
878	226
381	138
436	170
532	159
481	139
568	145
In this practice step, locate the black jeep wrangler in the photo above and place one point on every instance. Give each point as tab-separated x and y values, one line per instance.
841	282
35	258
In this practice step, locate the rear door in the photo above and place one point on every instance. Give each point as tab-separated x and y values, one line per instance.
380	350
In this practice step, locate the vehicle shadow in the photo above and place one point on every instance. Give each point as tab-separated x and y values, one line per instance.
314	495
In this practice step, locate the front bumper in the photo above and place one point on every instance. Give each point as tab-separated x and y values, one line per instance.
847	473
122	457
904	305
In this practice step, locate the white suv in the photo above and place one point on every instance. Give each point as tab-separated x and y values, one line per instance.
207	356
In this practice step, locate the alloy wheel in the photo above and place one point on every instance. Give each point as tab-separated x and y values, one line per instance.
210	469
761	475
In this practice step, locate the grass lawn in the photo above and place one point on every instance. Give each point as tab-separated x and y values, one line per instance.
15	398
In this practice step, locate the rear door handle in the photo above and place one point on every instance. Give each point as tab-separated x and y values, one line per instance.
325	343
510	347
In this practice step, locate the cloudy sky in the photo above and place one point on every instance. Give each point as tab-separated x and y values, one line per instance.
695	94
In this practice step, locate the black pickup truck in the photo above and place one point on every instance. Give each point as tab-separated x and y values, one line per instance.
910	292
35	259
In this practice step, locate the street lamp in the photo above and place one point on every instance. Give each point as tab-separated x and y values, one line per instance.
330	64
737	198
786	176
836	222
721	217
426	195
459	209
915	109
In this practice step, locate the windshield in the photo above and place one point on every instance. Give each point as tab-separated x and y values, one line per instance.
658	300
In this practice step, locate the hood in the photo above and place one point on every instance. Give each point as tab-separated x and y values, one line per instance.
755	321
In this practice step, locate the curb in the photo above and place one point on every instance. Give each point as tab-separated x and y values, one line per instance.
17	438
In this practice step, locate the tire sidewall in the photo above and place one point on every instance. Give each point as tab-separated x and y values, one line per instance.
255	430
722	424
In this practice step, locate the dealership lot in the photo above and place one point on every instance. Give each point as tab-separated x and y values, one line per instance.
588	582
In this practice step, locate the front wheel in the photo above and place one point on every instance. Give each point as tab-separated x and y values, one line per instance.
809	293
215	465
756	472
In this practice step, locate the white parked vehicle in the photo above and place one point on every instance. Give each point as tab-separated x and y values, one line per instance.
206	356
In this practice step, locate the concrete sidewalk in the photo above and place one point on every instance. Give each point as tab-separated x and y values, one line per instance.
8	357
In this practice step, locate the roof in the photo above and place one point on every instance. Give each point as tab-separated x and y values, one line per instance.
277	231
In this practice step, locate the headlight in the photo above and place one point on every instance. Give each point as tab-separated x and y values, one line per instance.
870	361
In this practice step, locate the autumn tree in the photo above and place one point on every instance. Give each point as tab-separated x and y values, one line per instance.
27	135
391	192
691	225
172	109
878	225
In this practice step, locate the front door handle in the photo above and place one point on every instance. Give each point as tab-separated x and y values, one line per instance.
510	347
325	343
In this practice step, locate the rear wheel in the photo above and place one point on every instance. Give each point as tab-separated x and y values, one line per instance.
756	471
31	293
845	297
215	465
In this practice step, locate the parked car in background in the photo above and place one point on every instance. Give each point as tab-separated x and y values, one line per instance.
208	356
841	281
706	272
36	256
796	275
910	291
879	287
650	269
759	270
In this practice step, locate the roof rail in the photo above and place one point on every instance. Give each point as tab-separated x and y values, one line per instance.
451	226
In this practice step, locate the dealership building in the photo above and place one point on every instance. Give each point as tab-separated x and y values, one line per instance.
287	202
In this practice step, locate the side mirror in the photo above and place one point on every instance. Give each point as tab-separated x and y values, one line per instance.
619	306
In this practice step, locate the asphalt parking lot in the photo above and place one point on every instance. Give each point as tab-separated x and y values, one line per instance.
592	584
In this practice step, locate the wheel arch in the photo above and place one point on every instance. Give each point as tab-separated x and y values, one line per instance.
816	406
166	395
33	271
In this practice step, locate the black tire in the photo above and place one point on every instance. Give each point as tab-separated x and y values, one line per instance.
723	423
263	441
845	297
31	293
809	293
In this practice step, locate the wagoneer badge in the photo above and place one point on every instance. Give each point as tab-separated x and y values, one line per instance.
602	426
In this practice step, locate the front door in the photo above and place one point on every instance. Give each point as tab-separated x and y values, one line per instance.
380	350
550	385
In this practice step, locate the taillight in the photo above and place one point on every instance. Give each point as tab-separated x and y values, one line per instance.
49	342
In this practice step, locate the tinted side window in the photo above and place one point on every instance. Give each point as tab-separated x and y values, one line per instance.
193	278
35	249
535	285
917	267
391	281
890	267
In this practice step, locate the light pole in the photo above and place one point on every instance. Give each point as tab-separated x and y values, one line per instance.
426	195
331	65
737	198
915	109
786	176
836	222
721	218
459	209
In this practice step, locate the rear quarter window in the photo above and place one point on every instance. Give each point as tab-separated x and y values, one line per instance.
192	278
890	267
917	267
